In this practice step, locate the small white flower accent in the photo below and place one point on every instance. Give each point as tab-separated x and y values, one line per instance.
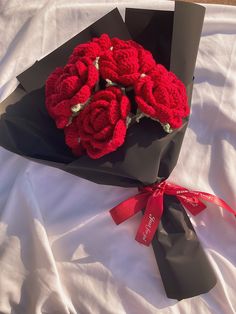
128	121
143	75
139	117
77	108
110	83
96	63
111	48
167	127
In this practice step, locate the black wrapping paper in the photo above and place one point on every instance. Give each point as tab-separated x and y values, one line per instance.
148	155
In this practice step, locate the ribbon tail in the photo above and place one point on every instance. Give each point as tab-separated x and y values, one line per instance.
151	219
191	200
216	200
129	207
192	204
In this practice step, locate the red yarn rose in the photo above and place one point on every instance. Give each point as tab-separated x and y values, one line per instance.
91	49
101	126
69	86
125	62
97	125
162	96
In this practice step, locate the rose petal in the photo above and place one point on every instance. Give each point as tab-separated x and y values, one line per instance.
114	112
145	107
69	86
128	79
124	107
71	135
99	120
92	76
103	137
82	95
118	135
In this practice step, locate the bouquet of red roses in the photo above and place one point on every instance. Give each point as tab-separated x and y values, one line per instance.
111	105
90	96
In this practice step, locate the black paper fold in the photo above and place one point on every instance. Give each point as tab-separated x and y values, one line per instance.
148	155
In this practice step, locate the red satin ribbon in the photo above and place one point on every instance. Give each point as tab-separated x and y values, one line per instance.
151	198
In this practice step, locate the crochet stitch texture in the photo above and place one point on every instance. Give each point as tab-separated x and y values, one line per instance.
87	97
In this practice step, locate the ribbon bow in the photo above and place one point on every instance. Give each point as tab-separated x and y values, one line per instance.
151	198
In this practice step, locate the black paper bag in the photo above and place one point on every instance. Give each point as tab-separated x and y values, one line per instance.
148	154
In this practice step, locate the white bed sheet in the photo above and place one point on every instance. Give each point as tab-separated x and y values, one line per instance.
60	251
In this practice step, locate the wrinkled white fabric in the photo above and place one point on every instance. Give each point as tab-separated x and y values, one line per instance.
60	251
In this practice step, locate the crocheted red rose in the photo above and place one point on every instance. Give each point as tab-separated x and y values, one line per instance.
94	120
124	62
91	49
69	86
101	126
162	96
